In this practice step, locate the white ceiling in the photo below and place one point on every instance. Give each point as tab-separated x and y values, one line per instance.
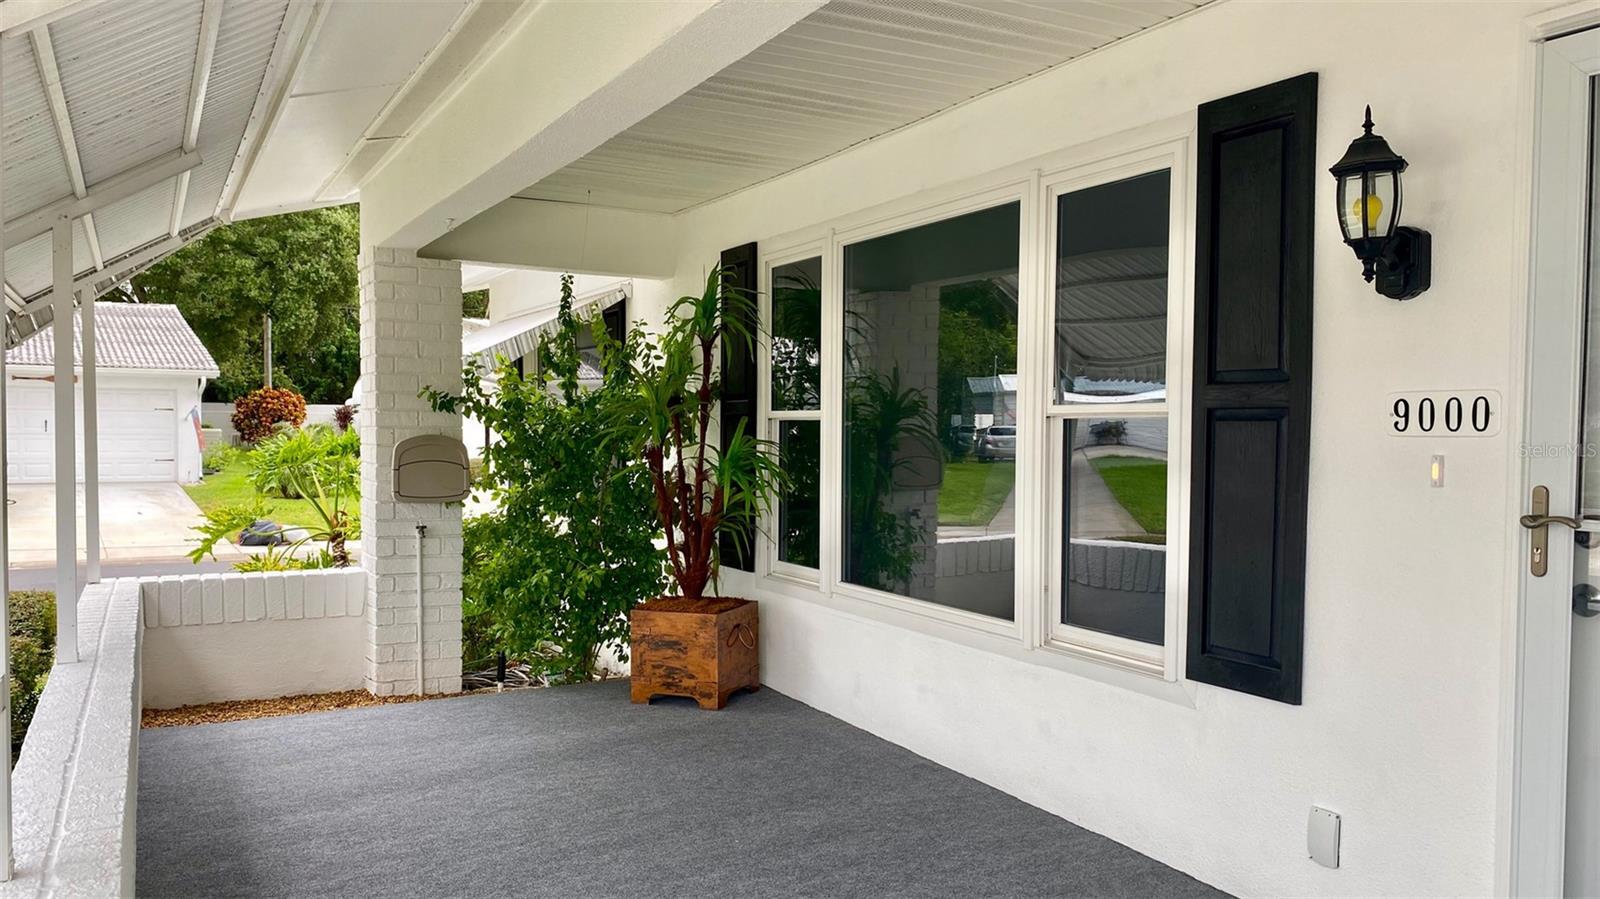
361	58
851	71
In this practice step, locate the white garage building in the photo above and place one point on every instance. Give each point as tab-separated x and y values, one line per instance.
152	369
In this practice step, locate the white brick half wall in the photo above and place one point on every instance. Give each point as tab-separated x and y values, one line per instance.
74	795
410	339
216	637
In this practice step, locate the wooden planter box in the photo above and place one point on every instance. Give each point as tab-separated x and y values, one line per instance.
705	649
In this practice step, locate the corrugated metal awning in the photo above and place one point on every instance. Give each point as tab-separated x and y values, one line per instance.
516	337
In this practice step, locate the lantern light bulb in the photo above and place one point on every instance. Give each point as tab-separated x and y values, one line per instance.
1374	210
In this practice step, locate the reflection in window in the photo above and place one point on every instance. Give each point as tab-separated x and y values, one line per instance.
800	454
797	335
1111	346
1111	291
1114	505
795	369
930	321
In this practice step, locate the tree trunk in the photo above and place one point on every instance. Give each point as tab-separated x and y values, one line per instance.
266	350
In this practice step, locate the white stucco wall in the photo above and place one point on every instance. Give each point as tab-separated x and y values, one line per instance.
1408	591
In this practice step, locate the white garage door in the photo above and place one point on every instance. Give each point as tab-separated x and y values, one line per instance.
30	440
138	434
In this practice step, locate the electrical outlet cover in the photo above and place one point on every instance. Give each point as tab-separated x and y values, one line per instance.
1322	837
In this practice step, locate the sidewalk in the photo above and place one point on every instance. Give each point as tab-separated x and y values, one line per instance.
138	522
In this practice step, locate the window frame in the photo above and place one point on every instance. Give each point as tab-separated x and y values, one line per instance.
771	420
1035	184
1021	191
1158	660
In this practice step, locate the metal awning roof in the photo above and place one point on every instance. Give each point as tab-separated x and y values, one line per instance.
132	118
516	337
150	122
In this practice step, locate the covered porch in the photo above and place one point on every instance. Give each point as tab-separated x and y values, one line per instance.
573	791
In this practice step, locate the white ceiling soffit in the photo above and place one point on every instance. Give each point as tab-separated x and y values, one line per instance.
849	72
369	75
129	116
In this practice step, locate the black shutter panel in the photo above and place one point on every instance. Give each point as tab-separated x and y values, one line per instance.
739	385
1252	388
616	320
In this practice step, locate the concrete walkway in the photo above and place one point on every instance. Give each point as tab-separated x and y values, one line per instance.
1095	510
138	522
573	791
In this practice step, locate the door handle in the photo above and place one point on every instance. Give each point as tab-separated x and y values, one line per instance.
1538	521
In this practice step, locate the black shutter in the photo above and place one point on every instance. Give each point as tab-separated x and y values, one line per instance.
1252	388
616	320
739	385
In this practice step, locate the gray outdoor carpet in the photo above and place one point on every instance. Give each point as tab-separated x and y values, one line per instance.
574	791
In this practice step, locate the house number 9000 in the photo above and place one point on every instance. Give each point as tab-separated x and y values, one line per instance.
1445	413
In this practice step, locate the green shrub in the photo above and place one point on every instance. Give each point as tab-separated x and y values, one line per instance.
219	456
258	413
550	575
282	462
33	642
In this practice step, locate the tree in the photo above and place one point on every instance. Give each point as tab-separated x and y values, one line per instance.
300	268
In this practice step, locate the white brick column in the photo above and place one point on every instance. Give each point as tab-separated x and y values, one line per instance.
410	339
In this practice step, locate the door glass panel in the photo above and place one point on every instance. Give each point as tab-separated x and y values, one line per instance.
1111	291
1583	725
930	320
1114	511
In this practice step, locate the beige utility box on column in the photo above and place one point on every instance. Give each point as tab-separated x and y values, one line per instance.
431	468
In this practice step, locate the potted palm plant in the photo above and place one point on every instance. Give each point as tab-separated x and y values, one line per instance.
694	644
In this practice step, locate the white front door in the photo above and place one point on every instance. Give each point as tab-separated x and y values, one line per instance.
1583	757
1556	779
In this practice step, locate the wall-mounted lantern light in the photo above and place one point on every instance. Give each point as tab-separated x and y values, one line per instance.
1400	259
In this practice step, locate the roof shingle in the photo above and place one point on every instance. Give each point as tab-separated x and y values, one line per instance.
148	336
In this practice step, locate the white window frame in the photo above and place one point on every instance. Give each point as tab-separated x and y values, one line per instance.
771	420
1023	192
1034	183
1160	660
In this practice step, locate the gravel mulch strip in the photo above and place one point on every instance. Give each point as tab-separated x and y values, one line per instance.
245	709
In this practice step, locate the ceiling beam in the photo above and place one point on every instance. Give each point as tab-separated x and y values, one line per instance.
299	27
44	53
28	15
199	80
95	284
118	187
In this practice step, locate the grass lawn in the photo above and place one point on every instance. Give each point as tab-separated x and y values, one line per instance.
1140	485
231	487
973	491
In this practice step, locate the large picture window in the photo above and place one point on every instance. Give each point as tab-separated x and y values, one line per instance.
1110	404
930	411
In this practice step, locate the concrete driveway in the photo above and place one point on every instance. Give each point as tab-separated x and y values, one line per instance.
138	522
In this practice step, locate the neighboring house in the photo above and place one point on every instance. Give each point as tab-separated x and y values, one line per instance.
533	299
152	369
